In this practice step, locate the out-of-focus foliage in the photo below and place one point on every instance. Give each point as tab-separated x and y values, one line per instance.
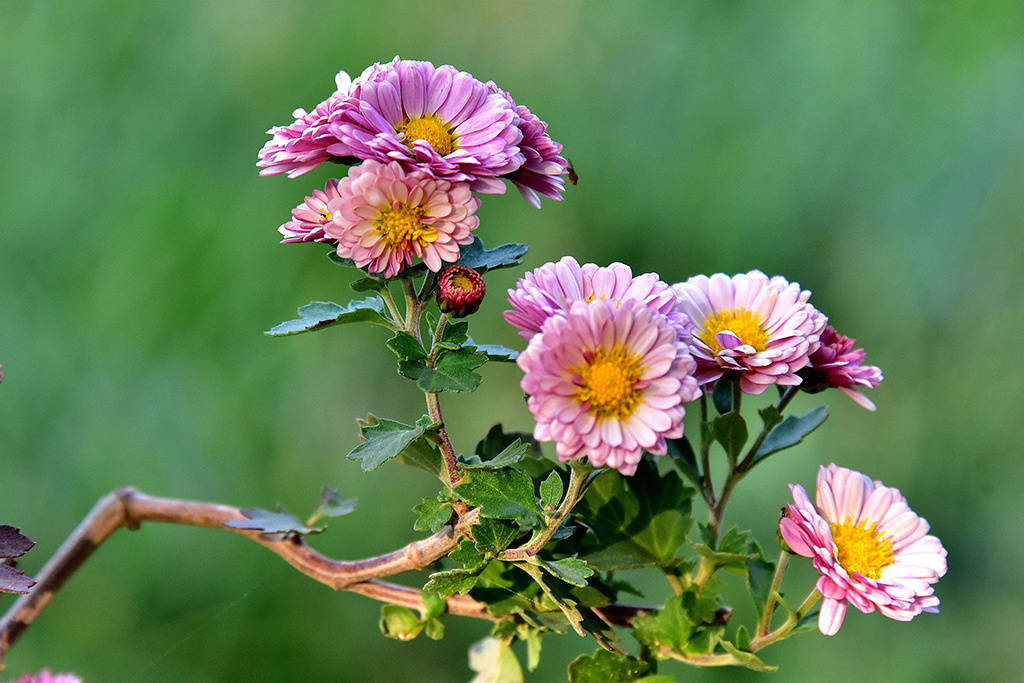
871	151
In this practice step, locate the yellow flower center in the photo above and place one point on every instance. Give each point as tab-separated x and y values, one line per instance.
435	131
326	216
607	383
861	548
460	281
402	225
743	323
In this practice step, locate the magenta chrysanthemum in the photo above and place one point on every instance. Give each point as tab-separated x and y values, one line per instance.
761	329
608	380
555	287
385	216
438	119
45	676
302	145
871	549
837	364
309	218
460	291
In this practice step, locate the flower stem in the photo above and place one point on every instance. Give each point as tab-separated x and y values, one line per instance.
705	455
764	623
579	476
451	462
784	631
389	300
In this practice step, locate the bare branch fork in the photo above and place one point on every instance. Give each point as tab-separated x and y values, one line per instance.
128	508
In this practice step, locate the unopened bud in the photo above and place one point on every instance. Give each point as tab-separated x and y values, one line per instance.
460	291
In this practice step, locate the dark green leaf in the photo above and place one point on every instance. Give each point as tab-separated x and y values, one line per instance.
453	371
280	522
684	458
451	582
747	659
742	638
572	570
320	314
497	440
493	535
720	558
454	335
770	416
495	352
707	534
759	579
722	394
422	454
605	667
670	627
731	431
512	454
477	257
494	662
406	347
506	494
432	514
551	491
400	623
790	432
467	555
369	284
386	439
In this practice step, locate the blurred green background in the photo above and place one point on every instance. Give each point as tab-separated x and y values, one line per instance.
871	151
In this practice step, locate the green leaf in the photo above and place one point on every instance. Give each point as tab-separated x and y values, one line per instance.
551	491
320	314
506	494
572	570
494	662
759	579
670	627
747	659
452	371
369	284
721	395
407	347
605	667
432	514
742	638
451	582
467	554
434	628
422	454
770	416
493	535
497	440
721	559
400	623
478	257
684	458
434	605
512	454
638	521
495	352
790	432
736	541
454	335
280	522
657	678
533	638
731	431
331	505
386	439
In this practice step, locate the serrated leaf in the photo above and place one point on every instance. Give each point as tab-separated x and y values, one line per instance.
467	555
494	662
280	522
474	255
684	459
790	432
638	521
400	623
421	454
736	541
721	558
748	659
669	627
513	453
333	505
386	439
605	667
320	314
406	347
506	494
493	535
551	491
451	582
731	431
454	335
721	395
452	371
572	570
13	543
431	514
14	580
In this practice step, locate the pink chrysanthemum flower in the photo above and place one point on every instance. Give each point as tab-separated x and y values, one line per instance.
385	216
837	364
45	676
871	549
555	287
309	218
302	145
437	119
608	381
758	328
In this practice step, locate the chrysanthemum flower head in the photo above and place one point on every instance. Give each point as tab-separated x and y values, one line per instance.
837	364
385	216
608	380
45	676
871	549
439	119
309	218
460	291
554	287
759	328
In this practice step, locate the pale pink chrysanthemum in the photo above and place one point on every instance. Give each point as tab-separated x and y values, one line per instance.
309	218
837	364
761	329
608	381
871	549
302	145
437	119
554	287
45	676
385	216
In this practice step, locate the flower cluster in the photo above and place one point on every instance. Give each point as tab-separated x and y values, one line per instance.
871	549
428	138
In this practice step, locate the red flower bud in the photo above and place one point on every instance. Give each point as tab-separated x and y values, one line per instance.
460	291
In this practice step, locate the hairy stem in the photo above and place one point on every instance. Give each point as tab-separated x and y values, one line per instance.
448	456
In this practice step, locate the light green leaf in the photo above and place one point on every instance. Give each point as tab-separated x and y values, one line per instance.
670	627
605	667
434	628
467	554
386	439
493	535
453	371
400	623
432	514
434	605
748	659
451	582
494	662
790	432
506	494
320	314
280	522
513	453
572	570
551	491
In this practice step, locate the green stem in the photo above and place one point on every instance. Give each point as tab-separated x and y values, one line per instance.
452	476
784	631
705	455
764	623
673	580
579	474
413	309
784	400
389	300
